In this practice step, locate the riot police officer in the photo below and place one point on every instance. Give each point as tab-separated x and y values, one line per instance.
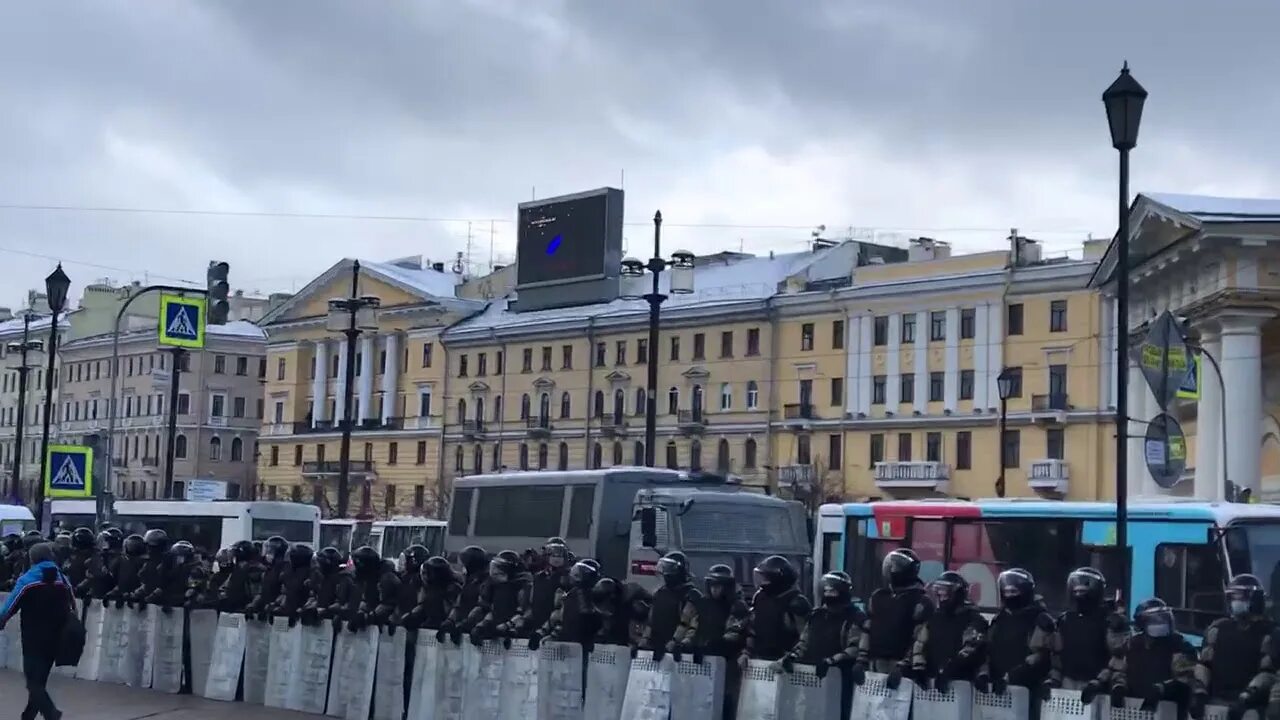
573	619
374	592
245	581
151	575
832	635
673	618
409	567
778	612
128	570
77	569
621	610
1157	662
951	643
1019	637
499	602
180	564
62	549
331	588
540	599
295	589
722	616
8	544
275	562
1087	636
100	572
475	568
894	612
1230	670
439	595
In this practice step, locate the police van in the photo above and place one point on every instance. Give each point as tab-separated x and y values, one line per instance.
628	517
388	537
16	520
209	525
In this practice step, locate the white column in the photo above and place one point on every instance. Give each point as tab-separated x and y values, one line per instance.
367	367
340	385
1112	318
390	378
1208	480
1140	482
921	370
852	361
981	368
951	377
893	385
1241	362
995	356
865	334
318	383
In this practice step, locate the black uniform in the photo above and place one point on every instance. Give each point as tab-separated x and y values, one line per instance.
275	565
621	611
10	545
673	617
374	592
295	589
574	618
409	567
1235	662
950	645
540	598
181	564
77	566
439	595
331	588
475	566
151	576
894	613
127	570
99	579
244	582
499	602
1157	663
722	616
778	612
1086	638
1019	638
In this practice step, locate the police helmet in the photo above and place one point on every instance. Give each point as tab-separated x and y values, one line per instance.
556	552
224	558
1017	587
82	539
584	574
414	556
436	570
300	556
109	541
31	539
1086	586
1245	595
366	560
12	541
275	549
720	576
950	589
62	539
837	588
900	568
134	546
674	568
775	574
244	551
329	560
473	558
504	566
1152	611
156	540
182	552
605	595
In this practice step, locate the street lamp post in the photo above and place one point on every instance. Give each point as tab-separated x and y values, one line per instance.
350	316
56	287
681	266
1123	100
21	349
1004	384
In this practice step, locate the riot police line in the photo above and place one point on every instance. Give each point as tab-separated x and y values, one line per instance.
545	636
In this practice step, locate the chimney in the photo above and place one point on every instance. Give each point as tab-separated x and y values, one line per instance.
1095	249
925	248
1025	250
6	313
438	267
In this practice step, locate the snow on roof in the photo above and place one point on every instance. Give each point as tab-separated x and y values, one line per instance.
40	323
425	280
1220	209
238	328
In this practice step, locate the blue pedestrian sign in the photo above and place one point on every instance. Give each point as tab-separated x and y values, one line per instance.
1189	388
182	321
68	472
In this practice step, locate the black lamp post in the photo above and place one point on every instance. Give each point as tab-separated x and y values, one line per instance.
1004	384
55	287
681	266
21	349
350	316
1124	100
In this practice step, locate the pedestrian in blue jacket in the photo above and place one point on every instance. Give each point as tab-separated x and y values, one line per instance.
44	597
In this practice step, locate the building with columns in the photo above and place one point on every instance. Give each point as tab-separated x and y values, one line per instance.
1215	264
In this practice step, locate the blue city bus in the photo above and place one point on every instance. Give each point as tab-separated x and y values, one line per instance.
1181	551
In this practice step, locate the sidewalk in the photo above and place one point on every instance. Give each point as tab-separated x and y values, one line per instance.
81	700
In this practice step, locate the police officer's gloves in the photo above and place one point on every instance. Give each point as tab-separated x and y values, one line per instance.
659	653
635	650
1152	697
894	678
787	664
506	642
442	633
1118	695
697	655
821	667
293	619
167	610
941	682
456	636
858	673
410	621
310	616
1000	685
1198	703
674	650
535	640
744	661
477	637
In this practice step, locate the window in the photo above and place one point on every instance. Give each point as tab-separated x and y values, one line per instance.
457	460
675	348
642	402
393	453
368	452
726	344
968	322
620	352
673	459
907	388
581	512
1010	448
1055	443
642	351
597	405
749	453
562	461
1014	324
524	456
837	334
1189	579
546	358
877	390
462	411
597	456
217	406
723	459
837	391
1057	386
1058	316
482	364
215	448
564	405
908	328
237	450
753	395
297	455
904	447
519	511
462	365
804	454
424	403
180	450
272	460
601	349
542	456
498	362
936	385
637	453
806	337
933	447
237	407
260	402
673	401
495	458
1015	376
753	342
219	364
726	396
964	450
617	453
966	384
421	458
426	354
699	346
280	368
566	357
320	454
526	360
695	455
1045	548
880	330
525	405
937	325
835	451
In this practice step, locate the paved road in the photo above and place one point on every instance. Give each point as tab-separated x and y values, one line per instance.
81	700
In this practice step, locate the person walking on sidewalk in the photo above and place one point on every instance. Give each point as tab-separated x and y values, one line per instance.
44	597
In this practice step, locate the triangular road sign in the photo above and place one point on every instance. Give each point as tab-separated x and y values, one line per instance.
68	476
181	325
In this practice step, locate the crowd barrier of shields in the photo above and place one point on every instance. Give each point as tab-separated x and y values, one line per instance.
393	674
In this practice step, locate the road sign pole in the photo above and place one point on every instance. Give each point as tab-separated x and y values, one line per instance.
179	355
48	413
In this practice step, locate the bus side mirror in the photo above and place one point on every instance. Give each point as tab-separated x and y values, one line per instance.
649	527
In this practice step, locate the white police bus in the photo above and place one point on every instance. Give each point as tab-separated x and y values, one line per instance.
16	520
209	525
388	537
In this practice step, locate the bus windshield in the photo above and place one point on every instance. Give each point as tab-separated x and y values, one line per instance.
708	524
1255	548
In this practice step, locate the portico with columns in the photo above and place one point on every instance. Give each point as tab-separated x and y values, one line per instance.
1214	263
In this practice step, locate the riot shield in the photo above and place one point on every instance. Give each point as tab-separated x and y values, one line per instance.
284	664
140	634
316	642
758	696
202	626
437	692
955	704
607	669
482	678
90	660
519	682
388	682
257	656
351	683
1066	705
560	681
166	653
1013	704
697	689
807	696
1219	712
873	699
1132	710
227	658
649	683
115	644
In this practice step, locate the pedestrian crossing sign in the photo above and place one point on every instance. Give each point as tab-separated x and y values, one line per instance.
182	321
68	472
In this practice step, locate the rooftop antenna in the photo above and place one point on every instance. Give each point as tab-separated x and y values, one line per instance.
468	253
622	178
533	192
491	232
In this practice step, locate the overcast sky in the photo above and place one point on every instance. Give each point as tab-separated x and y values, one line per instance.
957	120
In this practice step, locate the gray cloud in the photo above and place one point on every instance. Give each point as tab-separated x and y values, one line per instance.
922	117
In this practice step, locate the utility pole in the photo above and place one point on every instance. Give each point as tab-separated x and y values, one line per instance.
179	356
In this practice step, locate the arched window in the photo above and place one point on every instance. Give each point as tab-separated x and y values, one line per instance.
617	453
753	395
597	456
524	406
565	405
542	456
642	401
462	411
722	456
524	456
544	406
637	456
673	401
598	405
495	461
497	409
237	450
180	447
673	456
619	405
697	400
215	448
695	455
726	396
479	411
477	458
457	459
749	453
563	461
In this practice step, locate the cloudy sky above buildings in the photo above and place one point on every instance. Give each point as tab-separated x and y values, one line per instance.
747	122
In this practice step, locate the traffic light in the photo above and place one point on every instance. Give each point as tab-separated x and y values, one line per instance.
218	290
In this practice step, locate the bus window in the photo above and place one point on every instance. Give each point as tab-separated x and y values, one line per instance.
395	538
295	531
581	507
1048	549
433	538
928	536
830	542
863	557
1255	548
519	511
1190	579
336	536
205	533
460	513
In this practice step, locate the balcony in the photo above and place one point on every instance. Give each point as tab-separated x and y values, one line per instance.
1052	407
473	429
907	475
538	427
797	476
1049	476
306	427
150	462
798	415
614	426
692	422
277	429
425	422
362	468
